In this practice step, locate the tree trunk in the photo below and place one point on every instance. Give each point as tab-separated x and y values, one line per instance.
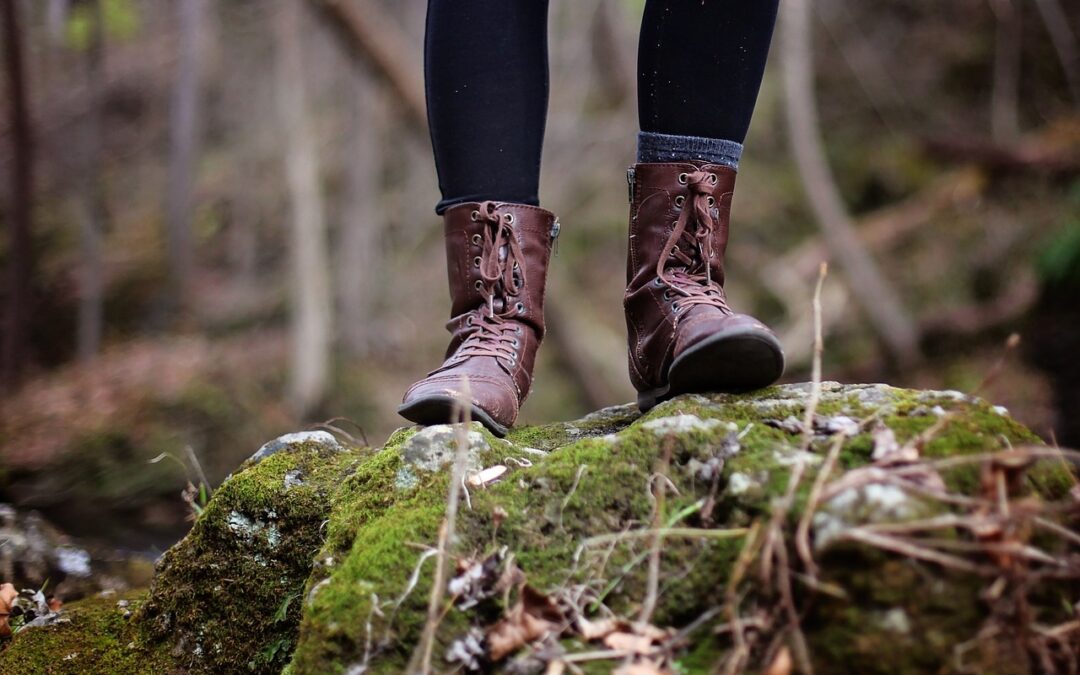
20	263
357	264
183	152
92	196
311	305
1005	95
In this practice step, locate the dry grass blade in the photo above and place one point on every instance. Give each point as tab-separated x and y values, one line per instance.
819	351
737	658
421	659
903	547
665	532
653	583
802	534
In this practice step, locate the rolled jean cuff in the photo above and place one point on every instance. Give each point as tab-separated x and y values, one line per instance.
656	147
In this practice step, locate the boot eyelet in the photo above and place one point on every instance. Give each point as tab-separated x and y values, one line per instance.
479	285
520	307
476	261
475	215
675	307
477	239
516	343
658	282
510	218
683	177
711	201
517	331
667	295
713	178
679	201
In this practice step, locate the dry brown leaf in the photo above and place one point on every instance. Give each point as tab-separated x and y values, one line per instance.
533	617
555	668
7	597
629	642
781	663
515	631
55	603
596	630
640	668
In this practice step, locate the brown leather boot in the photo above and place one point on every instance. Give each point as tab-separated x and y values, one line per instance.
497	258
682	335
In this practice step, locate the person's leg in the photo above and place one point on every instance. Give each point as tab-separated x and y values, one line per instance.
487	83
486	74
700	65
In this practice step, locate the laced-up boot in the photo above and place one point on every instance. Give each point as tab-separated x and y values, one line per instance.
682	335
497	257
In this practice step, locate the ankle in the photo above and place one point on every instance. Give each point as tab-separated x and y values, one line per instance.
658	147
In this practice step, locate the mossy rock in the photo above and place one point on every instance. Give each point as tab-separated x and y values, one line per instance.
317	558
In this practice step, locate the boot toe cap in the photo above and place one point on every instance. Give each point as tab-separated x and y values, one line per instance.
434	400
695	329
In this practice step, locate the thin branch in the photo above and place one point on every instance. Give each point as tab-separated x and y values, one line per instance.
1057	25
876	297
373	36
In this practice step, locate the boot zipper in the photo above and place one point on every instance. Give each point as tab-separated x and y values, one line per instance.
630	184
555	228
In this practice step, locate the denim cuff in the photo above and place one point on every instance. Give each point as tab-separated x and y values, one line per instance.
655	147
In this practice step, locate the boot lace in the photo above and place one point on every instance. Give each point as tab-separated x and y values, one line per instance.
691	248
501	279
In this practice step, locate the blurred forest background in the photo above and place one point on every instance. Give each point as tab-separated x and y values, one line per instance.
218	223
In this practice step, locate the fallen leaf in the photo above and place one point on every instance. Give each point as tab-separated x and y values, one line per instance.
781	663
487	476
476	580
515	631
533	617
7	597
789	424
629	642
640	668
555	668
467	650
836	424
596	630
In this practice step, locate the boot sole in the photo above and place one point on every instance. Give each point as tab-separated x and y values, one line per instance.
441	410
734	361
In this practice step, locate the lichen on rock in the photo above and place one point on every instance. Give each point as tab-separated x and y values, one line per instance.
320	559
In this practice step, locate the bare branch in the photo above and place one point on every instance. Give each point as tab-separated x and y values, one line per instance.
877	298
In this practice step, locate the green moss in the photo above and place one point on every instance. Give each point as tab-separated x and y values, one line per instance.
325	570
97	636
224	597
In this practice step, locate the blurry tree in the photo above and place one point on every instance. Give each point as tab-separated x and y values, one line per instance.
311	303
90	37
184	136
358	251
1005	94
56	14
1064	39
879	302
18	213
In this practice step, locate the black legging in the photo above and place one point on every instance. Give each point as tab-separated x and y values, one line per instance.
700	64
